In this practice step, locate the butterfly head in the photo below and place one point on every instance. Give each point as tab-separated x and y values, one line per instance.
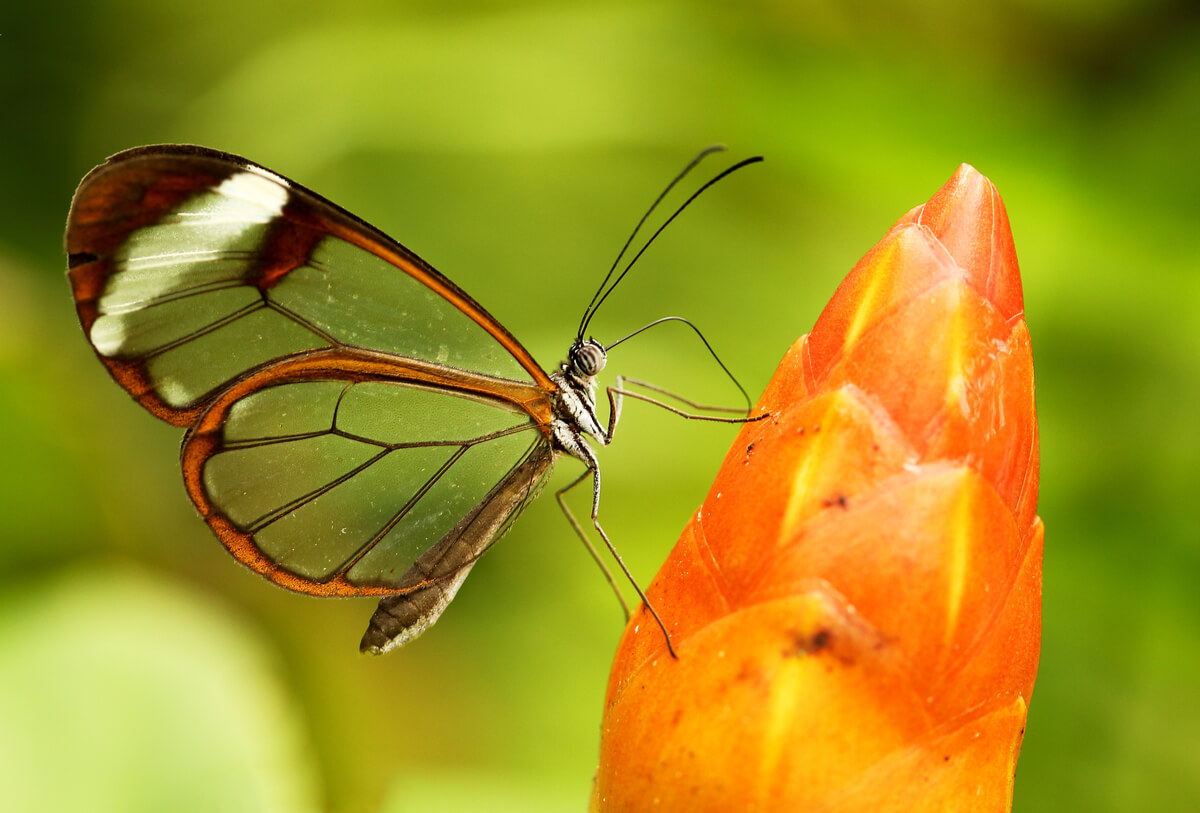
585	359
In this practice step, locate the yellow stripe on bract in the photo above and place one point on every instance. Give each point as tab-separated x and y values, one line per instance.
958	338
958	554
806	474
793	689
955	404
787	685
873	287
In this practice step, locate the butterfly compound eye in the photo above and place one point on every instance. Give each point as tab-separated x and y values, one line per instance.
588	358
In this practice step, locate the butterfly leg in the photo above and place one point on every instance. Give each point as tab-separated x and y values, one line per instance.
594	467
615	399
594	470
560	495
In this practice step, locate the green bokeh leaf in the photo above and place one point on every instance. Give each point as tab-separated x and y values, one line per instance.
121	693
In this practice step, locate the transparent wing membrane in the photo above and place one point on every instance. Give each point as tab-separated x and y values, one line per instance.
329	479
358	299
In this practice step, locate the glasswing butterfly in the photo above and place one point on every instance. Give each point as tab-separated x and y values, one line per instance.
357	424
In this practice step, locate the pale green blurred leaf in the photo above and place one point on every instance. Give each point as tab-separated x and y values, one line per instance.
475	790
119	693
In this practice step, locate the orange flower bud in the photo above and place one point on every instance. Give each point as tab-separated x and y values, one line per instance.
857	604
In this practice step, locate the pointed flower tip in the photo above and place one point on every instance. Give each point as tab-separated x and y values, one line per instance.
965	170
968	217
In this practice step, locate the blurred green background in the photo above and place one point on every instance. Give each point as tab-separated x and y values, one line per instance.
513	145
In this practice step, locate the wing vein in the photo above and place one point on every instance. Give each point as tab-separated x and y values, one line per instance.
288	313
272	440
173	296
224	321
369	545
304	499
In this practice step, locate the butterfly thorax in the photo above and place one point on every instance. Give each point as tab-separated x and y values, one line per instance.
574	401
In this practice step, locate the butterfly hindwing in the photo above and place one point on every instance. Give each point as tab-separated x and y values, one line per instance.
333	472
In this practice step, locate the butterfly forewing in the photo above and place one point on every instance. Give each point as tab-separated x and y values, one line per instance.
192	267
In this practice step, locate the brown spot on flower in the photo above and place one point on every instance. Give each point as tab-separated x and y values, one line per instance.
803	644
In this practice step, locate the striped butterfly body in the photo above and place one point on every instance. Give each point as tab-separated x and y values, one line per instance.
357	425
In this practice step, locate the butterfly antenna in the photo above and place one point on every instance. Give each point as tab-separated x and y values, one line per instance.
728	373
596	303
587	313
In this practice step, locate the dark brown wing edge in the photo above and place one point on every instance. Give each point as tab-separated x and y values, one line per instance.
138	187
434	578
